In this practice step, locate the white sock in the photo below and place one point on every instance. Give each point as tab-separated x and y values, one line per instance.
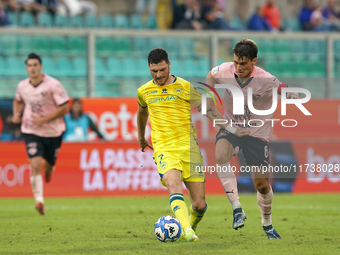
265	203
37	187
229	183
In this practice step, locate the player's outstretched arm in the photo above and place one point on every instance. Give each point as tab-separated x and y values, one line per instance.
18	107
59	112
217	119
142	119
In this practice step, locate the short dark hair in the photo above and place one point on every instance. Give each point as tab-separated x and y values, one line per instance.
33	56
157	56
246	48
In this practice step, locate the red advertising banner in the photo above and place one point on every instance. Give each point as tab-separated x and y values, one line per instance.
88	169
318	166
119	168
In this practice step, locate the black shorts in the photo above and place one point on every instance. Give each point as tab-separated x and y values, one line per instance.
46	147
255	150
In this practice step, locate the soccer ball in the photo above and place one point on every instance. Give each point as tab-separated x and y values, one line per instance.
168	229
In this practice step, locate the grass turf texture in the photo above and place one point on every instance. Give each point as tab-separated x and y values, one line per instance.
308	224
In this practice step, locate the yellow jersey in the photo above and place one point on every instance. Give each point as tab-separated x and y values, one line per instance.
170	112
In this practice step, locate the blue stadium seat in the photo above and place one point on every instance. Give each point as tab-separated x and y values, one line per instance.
203	64
64	67
101	69
76	21
42	44
292	24
14	18
315	49
337	50
26	19
140	46
171	46
77	45
106	89
186	47
91	21
8	45
129	68
297	48
49	66
156	42
60	20
58	45
121	21
44	19
115	68
151	22
79	67
143	68
136	21
26	44
237	23
122	45
15	67
190	68
104	45
2	67
106	21
177	68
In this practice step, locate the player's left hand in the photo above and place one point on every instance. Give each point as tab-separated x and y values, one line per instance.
242	132
38	121
293	95
143	143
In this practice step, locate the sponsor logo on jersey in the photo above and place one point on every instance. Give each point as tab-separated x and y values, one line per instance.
152	92
163	99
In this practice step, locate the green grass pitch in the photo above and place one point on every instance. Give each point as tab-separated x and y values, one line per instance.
308	224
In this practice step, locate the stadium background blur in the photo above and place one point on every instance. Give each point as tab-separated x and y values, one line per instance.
102	59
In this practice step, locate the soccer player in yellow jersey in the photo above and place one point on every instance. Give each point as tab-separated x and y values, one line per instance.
167	99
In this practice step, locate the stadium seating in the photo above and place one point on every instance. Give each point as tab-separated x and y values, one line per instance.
26	20
8	45
292	24
45	20
91	21
136	21
60	21
76	21
77	45
151	22
121	21
14	18
106	21
58	45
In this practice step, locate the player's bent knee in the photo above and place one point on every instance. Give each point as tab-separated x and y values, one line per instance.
199	206
262	186
174	187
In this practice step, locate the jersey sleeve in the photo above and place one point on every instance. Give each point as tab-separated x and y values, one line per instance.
140	98
195	95
59	94
18	96
273	83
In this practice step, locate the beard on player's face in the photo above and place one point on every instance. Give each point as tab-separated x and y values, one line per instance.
160	72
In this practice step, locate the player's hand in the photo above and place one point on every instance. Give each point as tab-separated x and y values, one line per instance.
143	143
38	121
293	95
242	132
16	119
210	106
